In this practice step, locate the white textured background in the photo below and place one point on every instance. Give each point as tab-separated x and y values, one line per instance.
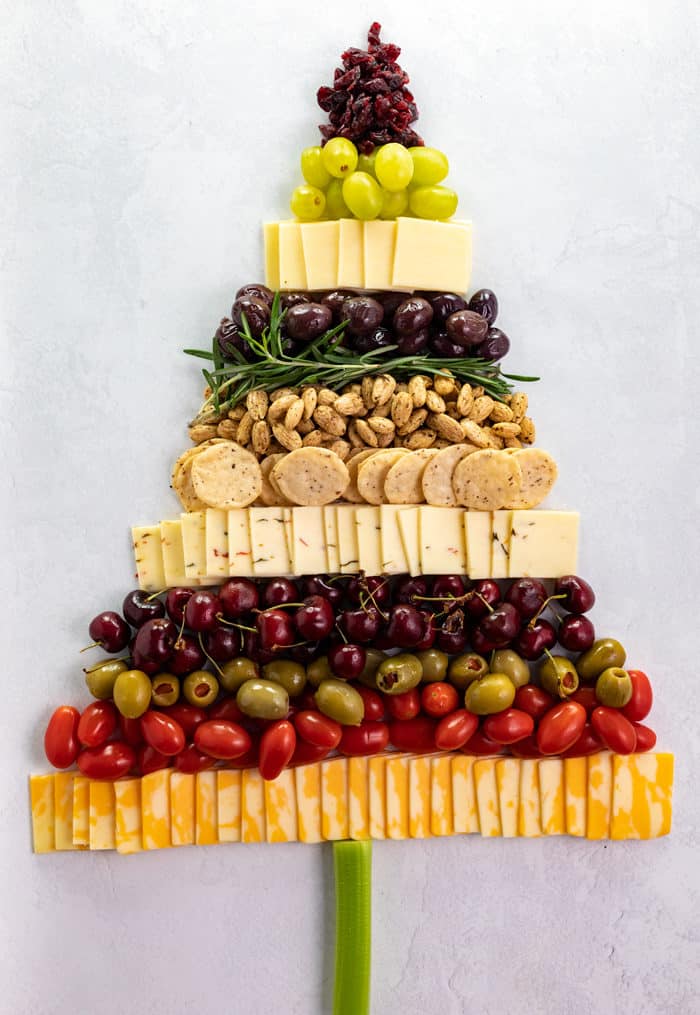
142	144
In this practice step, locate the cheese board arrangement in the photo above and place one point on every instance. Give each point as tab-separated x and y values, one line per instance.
363	622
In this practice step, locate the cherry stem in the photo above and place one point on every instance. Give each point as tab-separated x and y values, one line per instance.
549	656
155	595
341	632
95	644
543	607
488	605
280	606
212	661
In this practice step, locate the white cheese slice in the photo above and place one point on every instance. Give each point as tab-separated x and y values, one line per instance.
216	542
442	540
173	554
501	530
477	530
408	526
368	539
544	544
194	545
268	542
309	541
347	539
291	256
146	540
330	528
320	244
379	248
432	255
271	234
240	556
394	560
351	272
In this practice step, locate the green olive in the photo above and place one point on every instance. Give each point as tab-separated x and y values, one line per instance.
339	701
613	687
132	693
165	689
489	694
603	653
263	699
466	668
373	659
236	671
100	678
318	670
434	663
200	688
400	673
291	675
505	660
558	675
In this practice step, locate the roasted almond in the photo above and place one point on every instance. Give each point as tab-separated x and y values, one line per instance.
256	403
401	407
416	419
289	439
294	414
328	419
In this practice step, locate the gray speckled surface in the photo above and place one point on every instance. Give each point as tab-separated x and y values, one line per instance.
143	143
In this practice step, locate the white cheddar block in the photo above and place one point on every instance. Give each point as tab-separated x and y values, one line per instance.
369	539
544	544
320	245
216	543
477	531
148	555
501	530
351	271
291	256
379	250
330	528
432	255
442	540
308	541
271	235
394	560
347	539
408	527
268	542
173	553
240	557
194	545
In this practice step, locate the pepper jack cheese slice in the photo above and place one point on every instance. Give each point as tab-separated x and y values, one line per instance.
394	559
216	543
268	541
320	242
477	532
173	553
442	541
148	556
240	556
501	531
194	543
369	539
308	541
408	527
432	255
544	544
330	528
347	540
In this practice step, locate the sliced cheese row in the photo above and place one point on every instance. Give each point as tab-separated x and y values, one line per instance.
210	546
404	254
383	797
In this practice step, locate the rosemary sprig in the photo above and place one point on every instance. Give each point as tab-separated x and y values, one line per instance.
324	361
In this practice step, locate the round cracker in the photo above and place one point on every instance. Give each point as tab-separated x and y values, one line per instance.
310	477
226	476
486	480
372	474
351	492
271	495
539	474
437	478
181	475
403	483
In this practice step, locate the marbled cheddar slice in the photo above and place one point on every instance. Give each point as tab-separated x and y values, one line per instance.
281	808
194	545
501	531
155	809
319	242
81	811
63	810
216	543
369	539
42	794
292	267
642	790
330	528
487	796
377	797
394	559
529	802
240	556
271	234
576	790
477	533
206	813
508	786
419	808
102	819
268	541
552	796
307	779
309	541
182	809
127	824
334	799
252	806
358	798
442	541
173	553
441	795
397	823
379	250
465	813
347	539
599	795
228	798
148	557
408	527
351	266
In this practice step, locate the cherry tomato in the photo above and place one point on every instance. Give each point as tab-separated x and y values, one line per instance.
221	739
616	732
305	753
585	696
439	699
107	762
189	716
588	743
526	748
276	748
163	733
150	760
508	726
404	706
480	744
453	731
225	709
639	705
367	738
131	731
192	760
97	723
561	727
413	734
318	729
247	760
61	743
533	700
646	738
374	702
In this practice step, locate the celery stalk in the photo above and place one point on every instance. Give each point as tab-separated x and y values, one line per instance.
353	916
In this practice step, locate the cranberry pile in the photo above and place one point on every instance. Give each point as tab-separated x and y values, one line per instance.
369	102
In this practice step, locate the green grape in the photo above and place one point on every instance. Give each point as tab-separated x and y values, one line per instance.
394	203
307	202
433	202
313	169
336	207
363	196
339	157
365	163
394	166
430	166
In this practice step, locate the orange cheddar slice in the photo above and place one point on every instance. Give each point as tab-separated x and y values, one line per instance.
334	799
252	806
155	809
508	788
228	797
127	815
576	791
552	796
206	816
81	811
397	822
377	798
182	809
641	801
63	810
102	815
599	800
358	798
529	801
281	808
441	795
42	794
307	782
465	813
419	809
487	796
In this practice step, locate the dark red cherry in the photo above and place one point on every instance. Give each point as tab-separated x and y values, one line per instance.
223	643
318	585
500	626
534	639
406	625
576	633
360	625
153	645
140	606
175	603
580	597
275	630
279	591
238	596
347	661
482	595
369	589
110	631
187	656
202	611
452	642
315	619
411	589
527	595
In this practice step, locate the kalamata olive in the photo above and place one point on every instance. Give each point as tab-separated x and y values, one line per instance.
412	315
445	304
412	345
496	346
484	302
363	314
259	292
466	328
307	321
256	313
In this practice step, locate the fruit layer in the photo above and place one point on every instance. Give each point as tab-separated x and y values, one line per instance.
383	797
